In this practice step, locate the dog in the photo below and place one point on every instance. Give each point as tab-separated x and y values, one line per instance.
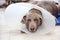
34	19
50	6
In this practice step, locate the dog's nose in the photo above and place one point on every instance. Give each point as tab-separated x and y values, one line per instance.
32	28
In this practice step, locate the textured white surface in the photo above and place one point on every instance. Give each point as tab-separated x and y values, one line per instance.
16	35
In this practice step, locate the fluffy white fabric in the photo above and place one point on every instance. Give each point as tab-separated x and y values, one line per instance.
15	12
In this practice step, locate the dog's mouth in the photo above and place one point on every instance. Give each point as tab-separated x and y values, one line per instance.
32	31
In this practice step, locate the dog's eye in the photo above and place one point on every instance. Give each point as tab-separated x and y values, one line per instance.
29	20
35	20
40	18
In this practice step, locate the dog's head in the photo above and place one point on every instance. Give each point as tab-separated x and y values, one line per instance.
32	20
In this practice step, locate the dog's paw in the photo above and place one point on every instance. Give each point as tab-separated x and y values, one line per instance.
22	32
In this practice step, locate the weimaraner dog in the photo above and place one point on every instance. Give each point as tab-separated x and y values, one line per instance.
33	20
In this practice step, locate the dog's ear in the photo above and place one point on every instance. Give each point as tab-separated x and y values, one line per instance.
23	19
34	10
39	22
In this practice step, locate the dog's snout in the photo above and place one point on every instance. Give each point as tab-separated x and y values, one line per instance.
32	29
